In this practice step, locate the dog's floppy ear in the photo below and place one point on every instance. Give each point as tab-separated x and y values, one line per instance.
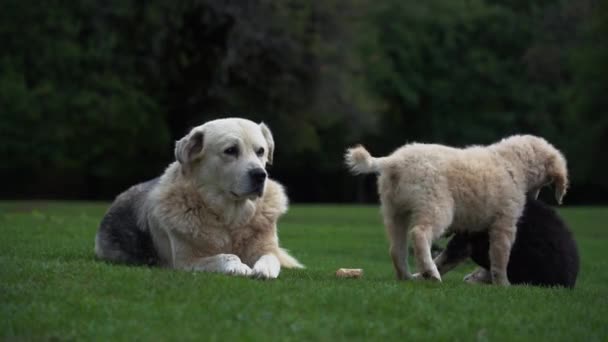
558	174
189	147
269	141
533	194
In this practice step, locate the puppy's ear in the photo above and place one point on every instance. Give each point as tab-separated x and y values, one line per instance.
269	141
189	147
558	174
533	194
561	186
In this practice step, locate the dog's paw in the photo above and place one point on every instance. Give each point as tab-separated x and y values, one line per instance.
502	282
267	267
427	276
500	278
432	277
479	276
265	273
237	268
470	278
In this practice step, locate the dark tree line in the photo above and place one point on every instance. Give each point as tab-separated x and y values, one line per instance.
93	93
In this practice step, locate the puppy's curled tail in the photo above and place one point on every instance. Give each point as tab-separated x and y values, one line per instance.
287	260
359	161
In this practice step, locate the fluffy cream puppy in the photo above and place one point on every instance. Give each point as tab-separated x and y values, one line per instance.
426	190
213	209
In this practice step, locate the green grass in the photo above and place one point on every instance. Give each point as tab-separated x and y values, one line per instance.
51	287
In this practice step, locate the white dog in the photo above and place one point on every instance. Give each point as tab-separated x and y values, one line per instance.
212	210
427	189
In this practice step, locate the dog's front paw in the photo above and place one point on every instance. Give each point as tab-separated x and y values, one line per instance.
265	273
237	268
267	267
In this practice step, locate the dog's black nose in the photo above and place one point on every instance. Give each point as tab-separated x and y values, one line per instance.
257	175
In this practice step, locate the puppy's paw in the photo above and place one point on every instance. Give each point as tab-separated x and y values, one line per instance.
427	276
470	278
502	282
500	278
267	267
432	276
479	276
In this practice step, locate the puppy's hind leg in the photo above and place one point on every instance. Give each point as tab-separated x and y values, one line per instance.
502	236
422	239
397	234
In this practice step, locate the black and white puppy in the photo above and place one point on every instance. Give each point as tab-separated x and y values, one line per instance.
544	252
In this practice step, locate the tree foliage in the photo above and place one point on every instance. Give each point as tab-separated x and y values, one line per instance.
92	93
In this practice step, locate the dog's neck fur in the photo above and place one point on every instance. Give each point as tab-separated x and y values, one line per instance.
207	199
233	213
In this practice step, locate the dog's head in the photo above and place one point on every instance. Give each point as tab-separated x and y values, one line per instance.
543	163
228	155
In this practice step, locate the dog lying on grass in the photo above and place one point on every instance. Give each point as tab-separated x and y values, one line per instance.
427	189
544	252
212	210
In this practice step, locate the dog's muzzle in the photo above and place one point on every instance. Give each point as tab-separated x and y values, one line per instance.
257	177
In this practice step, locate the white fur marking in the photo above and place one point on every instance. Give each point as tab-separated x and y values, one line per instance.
267	267
224	263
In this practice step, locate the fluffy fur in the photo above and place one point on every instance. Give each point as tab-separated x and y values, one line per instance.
212	210
544	252
426	189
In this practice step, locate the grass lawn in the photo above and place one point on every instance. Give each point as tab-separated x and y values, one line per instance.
51	287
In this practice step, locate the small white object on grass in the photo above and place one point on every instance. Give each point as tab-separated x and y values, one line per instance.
349	273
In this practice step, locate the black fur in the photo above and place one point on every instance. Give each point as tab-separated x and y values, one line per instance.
120	234
544	252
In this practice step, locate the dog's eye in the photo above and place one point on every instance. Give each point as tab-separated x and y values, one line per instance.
260	152
231	151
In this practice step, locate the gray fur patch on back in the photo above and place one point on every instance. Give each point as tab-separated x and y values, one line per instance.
122	236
